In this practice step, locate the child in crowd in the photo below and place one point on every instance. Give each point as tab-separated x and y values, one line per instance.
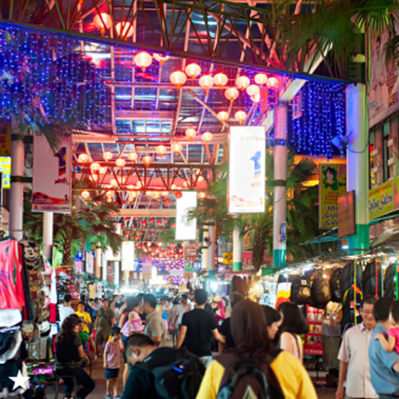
112	351
393	333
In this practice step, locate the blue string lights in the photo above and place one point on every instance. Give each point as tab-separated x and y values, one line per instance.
47	79
322	117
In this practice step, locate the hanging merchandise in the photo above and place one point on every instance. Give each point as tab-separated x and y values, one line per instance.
321	291
11	283
390	289
351	292
371	279
301	291
335	284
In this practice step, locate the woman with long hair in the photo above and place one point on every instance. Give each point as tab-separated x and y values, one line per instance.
71	358
293	325
274	320
285	373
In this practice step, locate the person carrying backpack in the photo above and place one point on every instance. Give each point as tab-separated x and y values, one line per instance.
254	368
160	373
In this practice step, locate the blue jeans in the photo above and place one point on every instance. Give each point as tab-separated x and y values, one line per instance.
83	379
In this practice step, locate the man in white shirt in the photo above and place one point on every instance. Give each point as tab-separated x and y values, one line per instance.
66	309
353	355
184	307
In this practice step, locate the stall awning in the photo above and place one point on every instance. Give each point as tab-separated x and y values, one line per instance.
332	235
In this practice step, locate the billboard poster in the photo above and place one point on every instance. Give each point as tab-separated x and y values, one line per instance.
89	263
384	79
247	169
147	269
346	215
191	252
128	256
52	176
5	137
332	184
186	229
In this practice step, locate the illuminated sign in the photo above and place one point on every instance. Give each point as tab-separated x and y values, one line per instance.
247	169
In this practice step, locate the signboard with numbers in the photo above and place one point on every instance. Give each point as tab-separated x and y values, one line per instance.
52	176
247	169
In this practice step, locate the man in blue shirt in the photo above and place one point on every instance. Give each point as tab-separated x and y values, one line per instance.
384	366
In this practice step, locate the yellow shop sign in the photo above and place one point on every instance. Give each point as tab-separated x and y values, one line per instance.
384	198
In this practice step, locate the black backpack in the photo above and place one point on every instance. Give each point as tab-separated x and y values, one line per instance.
177	373
249	378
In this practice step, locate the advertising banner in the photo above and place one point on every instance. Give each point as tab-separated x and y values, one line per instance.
191	252
384	79
186	229
247	169
128	256
332	184
52	176
5	169
89	263
384	198
147	269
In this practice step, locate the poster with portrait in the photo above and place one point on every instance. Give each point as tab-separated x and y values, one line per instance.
384	77
332	184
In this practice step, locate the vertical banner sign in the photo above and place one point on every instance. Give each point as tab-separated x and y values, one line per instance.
89	263
332	184
186	229
147	269
128	256
346	215
5	137
247	168
5	169
52	176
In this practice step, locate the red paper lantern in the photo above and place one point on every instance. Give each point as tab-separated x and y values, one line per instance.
151	220
153	233
178	194
144	223
141	232
165	231
173	225
166	220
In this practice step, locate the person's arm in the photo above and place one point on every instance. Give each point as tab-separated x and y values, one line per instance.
395	367
96	322
121	344
219	337
105	357
129	324
221	346
122	319
156	340
387	345
286	343
112	323
82	353
181	336
343	372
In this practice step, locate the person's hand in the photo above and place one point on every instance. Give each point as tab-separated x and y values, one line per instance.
340	394
378	336
105	365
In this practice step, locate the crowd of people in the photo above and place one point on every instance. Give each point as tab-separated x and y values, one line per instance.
156	337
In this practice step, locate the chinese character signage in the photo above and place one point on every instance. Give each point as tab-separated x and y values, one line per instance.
5	138
186	229
247	168
191	252
52	176
346	215
332	184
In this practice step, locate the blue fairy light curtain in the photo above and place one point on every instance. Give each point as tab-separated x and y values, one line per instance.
318	115
46	79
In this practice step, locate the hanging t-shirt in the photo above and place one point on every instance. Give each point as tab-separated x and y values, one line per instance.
92	291
98	290
11	284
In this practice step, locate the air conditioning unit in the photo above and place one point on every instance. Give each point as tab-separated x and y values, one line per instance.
391	161
391	142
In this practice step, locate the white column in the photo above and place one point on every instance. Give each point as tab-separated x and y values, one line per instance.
357	127
17	187
211	251
48	222
116	274
205	253
98	262
237	249
280	180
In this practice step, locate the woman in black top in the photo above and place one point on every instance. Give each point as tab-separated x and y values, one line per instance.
70	358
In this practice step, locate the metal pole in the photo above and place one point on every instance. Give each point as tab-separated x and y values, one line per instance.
280	182
48	221
205	254
237	249
17	185
357	162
